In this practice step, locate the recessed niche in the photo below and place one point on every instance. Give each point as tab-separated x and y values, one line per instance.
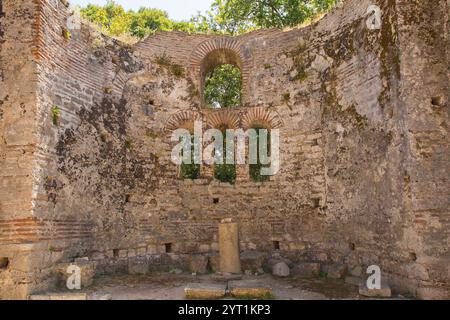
315	142
316	203
116	253
276	245
352	246
412	256
216	200
438	101
4	263
127	198
168	247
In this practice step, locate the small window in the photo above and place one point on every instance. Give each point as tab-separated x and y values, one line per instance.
255	169
223	87
225	172
316	203
168	247
190	170
276	245
216	200
116	253
4	263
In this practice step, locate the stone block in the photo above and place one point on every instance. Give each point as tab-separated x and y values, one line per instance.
383	292
100	297
306	269
138	265
198	264
59	296
280	269
229	247
249	289
252	260
205	291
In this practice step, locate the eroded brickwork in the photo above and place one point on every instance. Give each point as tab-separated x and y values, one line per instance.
363	119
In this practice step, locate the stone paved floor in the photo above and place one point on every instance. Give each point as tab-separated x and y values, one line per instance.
165	286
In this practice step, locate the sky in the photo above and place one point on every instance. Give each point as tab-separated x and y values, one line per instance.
177	9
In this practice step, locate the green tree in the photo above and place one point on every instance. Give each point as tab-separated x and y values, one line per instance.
223	86
237	16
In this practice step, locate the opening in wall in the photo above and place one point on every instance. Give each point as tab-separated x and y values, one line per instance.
223	87
115	253
190	170
225	172
168	247
4	263
255	169
276	245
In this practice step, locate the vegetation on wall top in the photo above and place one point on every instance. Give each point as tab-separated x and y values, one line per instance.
225	17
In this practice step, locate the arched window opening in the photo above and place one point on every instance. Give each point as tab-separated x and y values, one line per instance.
190	170
223	87
226	172
255	169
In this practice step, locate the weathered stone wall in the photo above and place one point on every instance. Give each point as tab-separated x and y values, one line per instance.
363	119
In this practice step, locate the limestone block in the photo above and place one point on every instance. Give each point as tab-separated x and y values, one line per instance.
306	269
229	248
383	292
252	260
198	264
100	297
280	269
59	296
205	291
249	289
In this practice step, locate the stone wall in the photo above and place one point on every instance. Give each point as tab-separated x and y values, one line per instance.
363	119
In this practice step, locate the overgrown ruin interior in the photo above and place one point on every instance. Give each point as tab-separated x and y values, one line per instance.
364	124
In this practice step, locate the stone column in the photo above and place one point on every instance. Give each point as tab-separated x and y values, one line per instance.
229	247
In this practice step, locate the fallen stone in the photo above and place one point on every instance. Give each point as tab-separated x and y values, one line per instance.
205	291
249	289
59	296
138	266
383	292
198	264
306	269
334	271
252	260
280	269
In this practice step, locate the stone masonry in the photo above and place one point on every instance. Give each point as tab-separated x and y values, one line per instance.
365	149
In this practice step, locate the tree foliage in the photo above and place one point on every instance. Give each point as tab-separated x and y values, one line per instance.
223	87
224	17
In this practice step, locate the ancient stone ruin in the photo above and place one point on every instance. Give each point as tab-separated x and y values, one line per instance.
363	114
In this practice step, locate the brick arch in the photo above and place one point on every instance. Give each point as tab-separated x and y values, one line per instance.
223	119
217	51
182	120
261	117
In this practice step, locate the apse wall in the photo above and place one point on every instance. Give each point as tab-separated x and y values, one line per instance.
364	146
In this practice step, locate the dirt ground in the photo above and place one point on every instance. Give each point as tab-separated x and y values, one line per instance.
165	286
